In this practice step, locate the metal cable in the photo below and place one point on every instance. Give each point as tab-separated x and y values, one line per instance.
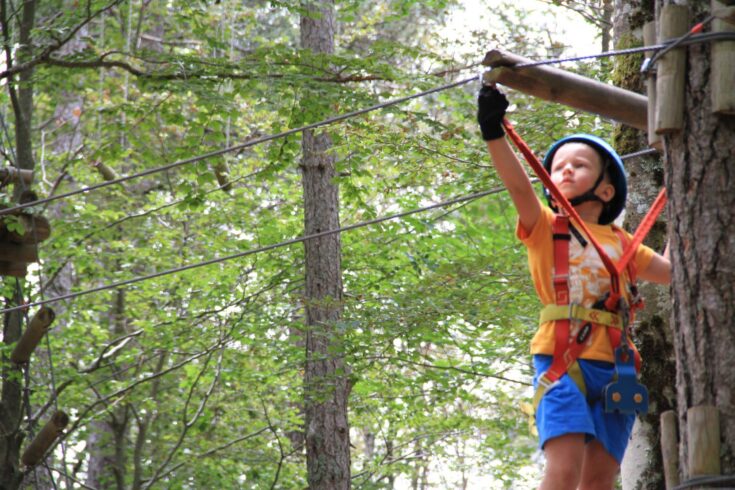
717	481
676	42
253	251
242	146
699	38
292	241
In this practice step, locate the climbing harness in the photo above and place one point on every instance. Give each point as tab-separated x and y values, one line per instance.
624	394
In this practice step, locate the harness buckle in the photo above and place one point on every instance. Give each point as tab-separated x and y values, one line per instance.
545	383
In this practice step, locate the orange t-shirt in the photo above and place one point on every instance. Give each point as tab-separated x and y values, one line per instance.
588	278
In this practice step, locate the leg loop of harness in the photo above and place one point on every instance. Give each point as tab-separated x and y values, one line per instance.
544	384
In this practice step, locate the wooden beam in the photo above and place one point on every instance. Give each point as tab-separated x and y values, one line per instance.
16	175
722	66
37	448
37	327
671	71
567	88
670	449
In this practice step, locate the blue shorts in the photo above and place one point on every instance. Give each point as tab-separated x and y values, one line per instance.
565	410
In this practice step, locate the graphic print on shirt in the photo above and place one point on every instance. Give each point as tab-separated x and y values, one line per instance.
588	278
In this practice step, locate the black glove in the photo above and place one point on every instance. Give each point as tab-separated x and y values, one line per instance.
491	106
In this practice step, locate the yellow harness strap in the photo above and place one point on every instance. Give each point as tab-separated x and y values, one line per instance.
573	312
577	312
574	372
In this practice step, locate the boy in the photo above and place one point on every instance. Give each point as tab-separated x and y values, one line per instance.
582	443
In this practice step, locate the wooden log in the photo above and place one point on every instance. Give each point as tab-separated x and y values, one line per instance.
654	139
13	269
222	173
670	448
16	175
722	66
567	88
13	252
671	71
703	436
37	448
37	327
105	171
35	228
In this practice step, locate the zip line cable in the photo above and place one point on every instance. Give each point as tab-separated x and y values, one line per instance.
127	282
468	198
690	39
266	248
241	146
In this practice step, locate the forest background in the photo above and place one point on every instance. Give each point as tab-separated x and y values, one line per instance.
196	379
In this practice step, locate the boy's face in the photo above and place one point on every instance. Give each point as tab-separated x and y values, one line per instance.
575	169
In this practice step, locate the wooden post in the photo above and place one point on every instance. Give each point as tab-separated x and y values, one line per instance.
16	175
649	38
105	171
35	228
13	252
37	327
703	435
13	269
222	173
567	88
671	71
37	448
670	448
722	67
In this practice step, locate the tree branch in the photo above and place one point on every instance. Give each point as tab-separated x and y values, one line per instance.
45	54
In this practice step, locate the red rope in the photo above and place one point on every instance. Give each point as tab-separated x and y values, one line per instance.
643	228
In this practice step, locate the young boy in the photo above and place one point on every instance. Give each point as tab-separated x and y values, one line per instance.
582	443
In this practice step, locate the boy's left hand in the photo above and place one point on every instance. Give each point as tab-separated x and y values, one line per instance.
491	106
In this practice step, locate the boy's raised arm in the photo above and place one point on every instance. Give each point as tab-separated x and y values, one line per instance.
491	106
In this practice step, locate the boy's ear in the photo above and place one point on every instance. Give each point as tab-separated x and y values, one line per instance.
606	191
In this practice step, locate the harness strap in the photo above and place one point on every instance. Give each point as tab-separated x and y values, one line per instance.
567	351
565	354
575	311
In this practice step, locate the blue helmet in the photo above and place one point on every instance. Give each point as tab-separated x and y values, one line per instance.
611	163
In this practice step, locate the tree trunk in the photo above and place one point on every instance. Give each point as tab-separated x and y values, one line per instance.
700	183
325	379
108	438
641	467
21	95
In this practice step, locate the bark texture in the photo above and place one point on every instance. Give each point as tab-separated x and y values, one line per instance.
326	384
700	182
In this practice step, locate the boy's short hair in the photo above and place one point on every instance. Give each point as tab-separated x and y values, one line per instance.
612	165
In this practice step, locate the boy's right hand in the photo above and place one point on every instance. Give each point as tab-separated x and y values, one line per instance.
491	106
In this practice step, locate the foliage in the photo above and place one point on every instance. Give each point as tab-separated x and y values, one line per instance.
201	370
